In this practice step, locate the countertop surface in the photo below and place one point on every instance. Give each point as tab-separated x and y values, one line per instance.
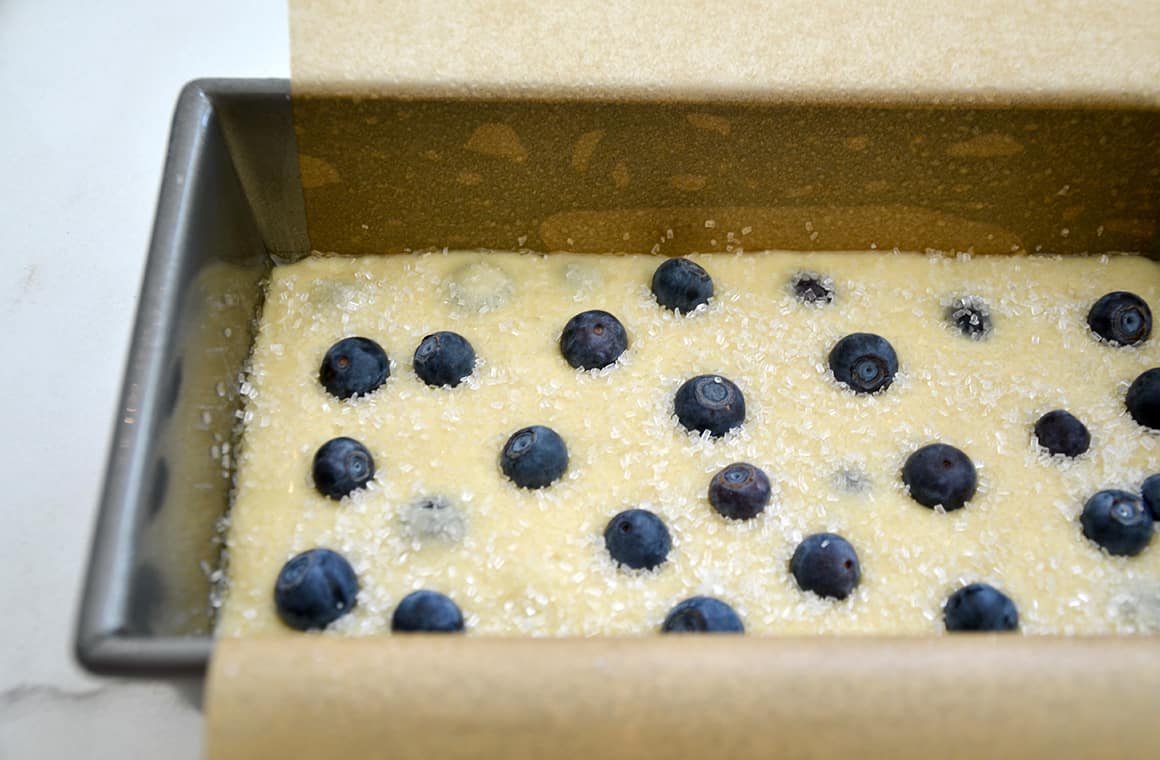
86	94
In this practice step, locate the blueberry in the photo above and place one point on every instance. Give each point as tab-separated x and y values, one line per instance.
427	611
444	358
980	607
1143	399
865	362
354	367
637	538
1121	318
341	466
940	475
970	316
826	564
702	614
740	491
681	285
812	288
534	457
314	589
710	403
1150	493
1117	521
593	340
1060	432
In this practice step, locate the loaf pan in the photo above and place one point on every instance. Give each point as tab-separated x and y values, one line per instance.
230	204
252	180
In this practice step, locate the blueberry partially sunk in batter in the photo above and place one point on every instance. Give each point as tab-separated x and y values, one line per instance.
342	466
939	475
444	359
682	285
593	340
314	589
812	288
433	518
1150	493
1118	521
970	316
980	607
710	403
740	491
637	539
479	287
826	564
534	457
1143	399
1060	432
354	367
1121	318
427	612
702	614
864	362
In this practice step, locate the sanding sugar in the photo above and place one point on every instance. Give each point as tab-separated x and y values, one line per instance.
440	515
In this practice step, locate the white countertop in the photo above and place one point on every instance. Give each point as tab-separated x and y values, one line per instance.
86	94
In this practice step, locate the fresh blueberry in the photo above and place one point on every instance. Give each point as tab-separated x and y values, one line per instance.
444	358
341	466
637	538
1143	399
314	589
354	367
1121	318
681	285
970	316
427	611
980	607
1117	521
1060	432
940	475
534	457
740	491
826	564
702	614
593	340
812	288
710	403
865	362
1150	493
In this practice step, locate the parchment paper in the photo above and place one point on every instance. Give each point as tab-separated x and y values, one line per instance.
972	696
448	697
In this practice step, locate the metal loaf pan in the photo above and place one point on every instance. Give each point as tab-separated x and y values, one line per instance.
230	204
247	176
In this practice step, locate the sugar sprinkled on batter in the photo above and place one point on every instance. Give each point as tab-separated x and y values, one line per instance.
440	515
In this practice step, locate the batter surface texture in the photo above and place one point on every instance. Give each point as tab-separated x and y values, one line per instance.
440	515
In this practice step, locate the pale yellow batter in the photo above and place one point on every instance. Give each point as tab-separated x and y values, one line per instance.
533	562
